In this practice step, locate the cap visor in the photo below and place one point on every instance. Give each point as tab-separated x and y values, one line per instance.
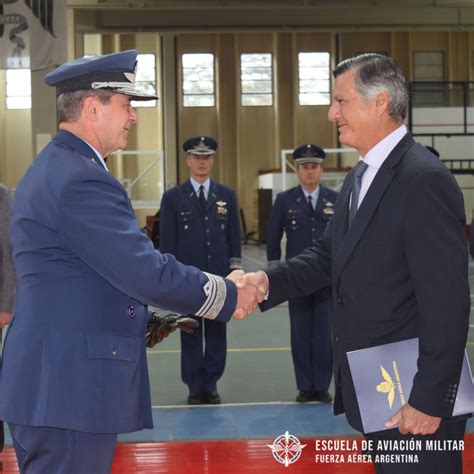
135	93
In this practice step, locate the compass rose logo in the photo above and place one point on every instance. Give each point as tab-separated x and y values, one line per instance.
286	449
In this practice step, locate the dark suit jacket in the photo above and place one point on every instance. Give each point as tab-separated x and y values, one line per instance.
74	355
400	271
207	238
7	274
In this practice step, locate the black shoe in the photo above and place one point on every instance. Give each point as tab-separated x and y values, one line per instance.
211	398
321	396
304	396
195	399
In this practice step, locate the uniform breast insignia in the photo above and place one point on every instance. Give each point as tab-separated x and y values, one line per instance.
184	219
221	207
328	208
131	312
293	215
94	161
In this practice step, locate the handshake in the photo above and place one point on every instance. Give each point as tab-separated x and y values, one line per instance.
252	288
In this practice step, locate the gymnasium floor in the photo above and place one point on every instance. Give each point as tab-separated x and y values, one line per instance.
258	391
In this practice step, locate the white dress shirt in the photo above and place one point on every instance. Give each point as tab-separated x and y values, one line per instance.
376	156
196	186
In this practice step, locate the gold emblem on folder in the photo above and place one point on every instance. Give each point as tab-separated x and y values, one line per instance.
387	386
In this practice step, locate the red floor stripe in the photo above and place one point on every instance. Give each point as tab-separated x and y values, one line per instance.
226	457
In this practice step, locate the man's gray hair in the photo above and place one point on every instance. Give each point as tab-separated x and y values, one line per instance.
374	73
70	103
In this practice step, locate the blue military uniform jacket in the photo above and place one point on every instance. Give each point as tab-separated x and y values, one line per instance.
74	356
290	214
186	229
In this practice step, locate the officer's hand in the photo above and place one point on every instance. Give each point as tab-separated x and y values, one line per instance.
161	326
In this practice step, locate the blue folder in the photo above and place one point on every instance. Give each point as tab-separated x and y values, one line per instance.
383	377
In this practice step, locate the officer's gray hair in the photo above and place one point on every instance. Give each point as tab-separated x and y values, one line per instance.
375	73
70	103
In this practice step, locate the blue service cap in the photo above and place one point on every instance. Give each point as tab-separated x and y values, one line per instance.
200	146
309	153
114	72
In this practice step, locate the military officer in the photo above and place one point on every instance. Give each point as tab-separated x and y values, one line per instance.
302	213
199	224
74	370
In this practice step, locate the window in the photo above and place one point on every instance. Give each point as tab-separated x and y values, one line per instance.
314	78
256	79
198	80
429	66
18	88
145	79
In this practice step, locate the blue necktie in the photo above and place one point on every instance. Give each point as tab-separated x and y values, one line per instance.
359	171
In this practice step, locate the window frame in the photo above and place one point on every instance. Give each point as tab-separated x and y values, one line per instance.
8	96
211	95
300	80
147	103
257	94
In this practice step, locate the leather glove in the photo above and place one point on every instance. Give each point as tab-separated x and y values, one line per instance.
160	326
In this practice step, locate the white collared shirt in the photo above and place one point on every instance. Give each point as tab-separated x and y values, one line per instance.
376	156
196	186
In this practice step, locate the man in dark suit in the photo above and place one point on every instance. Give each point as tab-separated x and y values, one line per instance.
302	213
396	258
199	224
74	364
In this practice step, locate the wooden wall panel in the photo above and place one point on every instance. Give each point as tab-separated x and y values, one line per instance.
311	122
256	131
430	40
194	121
286	87
228	74
367	42
400	50
459	56
471	55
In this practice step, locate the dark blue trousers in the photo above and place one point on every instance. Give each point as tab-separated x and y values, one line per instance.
203	355
311	342
44	450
